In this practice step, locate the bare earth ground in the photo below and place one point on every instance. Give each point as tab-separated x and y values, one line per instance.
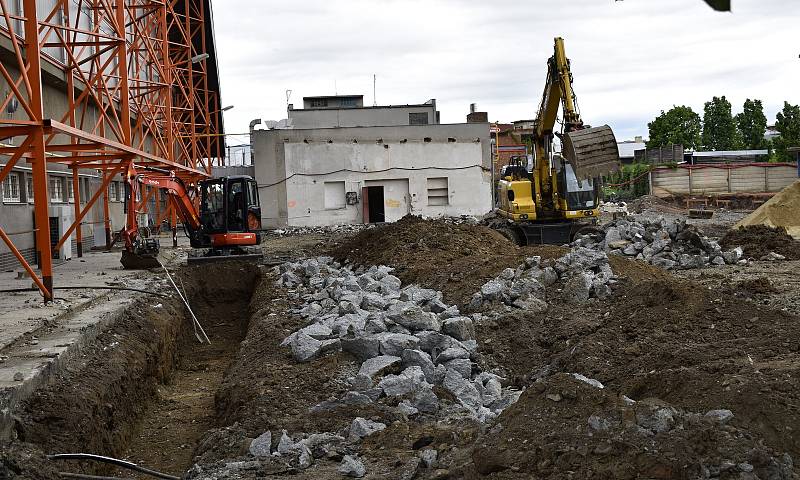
717	338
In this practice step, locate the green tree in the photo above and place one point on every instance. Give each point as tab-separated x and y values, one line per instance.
719	129
679	126
752	124
788	125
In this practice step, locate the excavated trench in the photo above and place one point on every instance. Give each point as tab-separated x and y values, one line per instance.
146	389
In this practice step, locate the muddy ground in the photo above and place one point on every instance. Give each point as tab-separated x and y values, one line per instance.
715	338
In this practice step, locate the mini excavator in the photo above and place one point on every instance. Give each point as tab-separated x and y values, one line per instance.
221	217
558	196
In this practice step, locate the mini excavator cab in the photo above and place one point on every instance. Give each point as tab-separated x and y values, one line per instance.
230	213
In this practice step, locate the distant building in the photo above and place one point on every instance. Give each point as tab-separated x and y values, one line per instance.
349	111
477	117
729	156
628	148
343	165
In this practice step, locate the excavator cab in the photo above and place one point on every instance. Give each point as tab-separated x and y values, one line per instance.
230	214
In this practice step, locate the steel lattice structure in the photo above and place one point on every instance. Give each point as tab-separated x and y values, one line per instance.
141	87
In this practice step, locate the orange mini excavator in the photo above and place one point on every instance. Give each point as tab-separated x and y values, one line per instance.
221	217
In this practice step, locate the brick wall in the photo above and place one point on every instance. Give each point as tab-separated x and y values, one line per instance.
8	262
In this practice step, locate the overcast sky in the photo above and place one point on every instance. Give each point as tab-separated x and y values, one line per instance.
630	58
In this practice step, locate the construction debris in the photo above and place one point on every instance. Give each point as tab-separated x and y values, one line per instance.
586	274
673	246
762	242
368	313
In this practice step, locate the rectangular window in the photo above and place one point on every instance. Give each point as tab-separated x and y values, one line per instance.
57	189
84	186
113	189
420	118
319	103
11	192
29	188
347	102
334	196
438	193
70	191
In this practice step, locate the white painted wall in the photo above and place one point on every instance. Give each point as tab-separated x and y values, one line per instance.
402	163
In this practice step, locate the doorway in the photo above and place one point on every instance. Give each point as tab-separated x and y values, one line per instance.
374	208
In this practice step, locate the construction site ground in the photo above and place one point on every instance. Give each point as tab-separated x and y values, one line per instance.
666	345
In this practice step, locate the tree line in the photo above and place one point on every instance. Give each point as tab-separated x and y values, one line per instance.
719	129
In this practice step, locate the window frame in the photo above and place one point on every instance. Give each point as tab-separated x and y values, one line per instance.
418	116
438	195
56	180
325	195
8	188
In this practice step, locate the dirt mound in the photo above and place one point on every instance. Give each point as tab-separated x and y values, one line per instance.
563	424
782	210
760	240
653	203
24	462
454	258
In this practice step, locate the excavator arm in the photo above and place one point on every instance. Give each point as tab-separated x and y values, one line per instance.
591	151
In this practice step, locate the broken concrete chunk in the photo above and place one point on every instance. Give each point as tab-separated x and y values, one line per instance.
427	457
430	341
352	467
719	416
414	293
362	347
533	262
361	428
590	381
464	391
395	343
413	317
420	359
304	347
378	365
319	330
449	312
374	301
578	288
409	380
507	274
461	365
452	353
375	323
306	458
285	444
406	409
492	290
460	328
261	445
425	400
531	304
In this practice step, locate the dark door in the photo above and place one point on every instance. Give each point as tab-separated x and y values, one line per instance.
55	236
377	214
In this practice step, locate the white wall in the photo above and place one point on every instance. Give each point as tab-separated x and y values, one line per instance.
359	117
402	164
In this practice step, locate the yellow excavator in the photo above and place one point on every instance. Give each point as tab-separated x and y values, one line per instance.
550	201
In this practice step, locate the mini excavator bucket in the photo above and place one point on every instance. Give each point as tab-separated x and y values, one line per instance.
592	152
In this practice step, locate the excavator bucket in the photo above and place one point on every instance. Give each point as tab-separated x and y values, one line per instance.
592	152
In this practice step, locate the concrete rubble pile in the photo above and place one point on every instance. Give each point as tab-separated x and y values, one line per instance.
673	246
323	230
406	338
585	274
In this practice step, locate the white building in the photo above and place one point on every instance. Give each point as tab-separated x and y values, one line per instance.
329	176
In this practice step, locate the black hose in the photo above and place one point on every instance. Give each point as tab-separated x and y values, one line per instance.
112	461
21	290
83	476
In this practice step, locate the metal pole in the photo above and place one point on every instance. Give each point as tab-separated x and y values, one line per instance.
39	160
76	197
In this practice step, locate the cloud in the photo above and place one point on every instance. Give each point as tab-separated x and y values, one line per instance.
630	58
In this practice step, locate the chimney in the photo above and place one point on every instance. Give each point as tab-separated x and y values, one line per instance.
472	108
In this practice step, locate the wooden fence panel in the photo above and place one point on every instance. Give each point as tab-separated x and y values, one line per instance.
722	179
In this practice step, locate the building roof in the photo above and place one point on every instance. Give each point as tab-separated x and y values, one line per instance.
731	153
627	148
328	97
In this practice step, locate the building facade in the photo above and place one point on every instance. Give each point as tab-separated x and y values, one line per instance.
331	176
349	111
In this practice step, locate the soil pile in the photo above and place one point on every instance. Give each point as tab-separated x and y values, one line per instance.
653	203
454	258
759	240
564	424
782	210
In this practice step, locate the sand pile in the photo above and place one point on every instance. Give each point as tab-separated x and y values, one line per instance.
782	210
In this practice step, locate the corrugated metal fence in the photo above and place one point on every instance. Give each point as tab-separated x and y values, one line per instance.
722	179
